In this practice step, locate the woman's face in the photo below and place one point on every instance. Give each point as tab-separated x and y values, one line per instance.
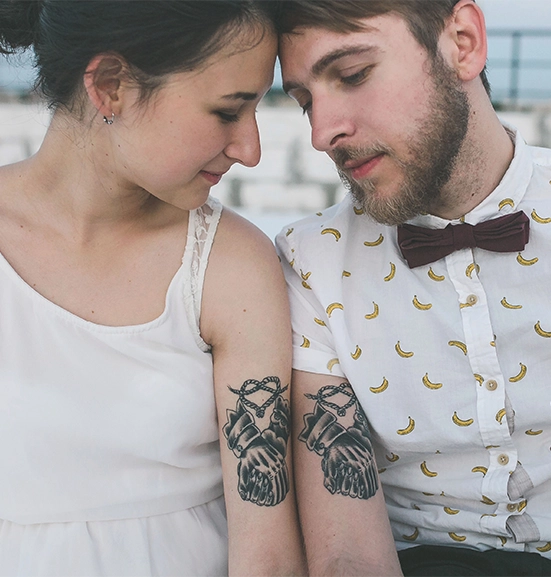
196	126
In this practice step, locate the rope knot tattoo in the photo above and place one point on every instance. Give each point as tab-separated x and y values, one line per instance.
252	386
347	453
330	391
262	470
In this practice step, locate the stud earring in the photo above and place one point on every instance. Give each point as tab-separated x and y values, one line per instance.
109	121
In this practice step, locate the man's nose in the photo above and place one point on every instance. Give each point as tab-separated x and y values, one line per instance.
331	122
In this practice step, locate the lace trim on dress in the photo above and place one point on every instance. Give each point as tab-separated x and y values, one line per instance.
203	223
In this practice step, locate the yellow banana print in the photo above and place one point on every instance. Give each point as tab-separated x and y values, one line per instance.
357	353
480	469
392	458
319	213
375	312
319	322
332	231
305	343
292	263
451	511
520	375
499	415
533	433
359	211
509	305
289	231
434	276
525	262
456	537
392	272
539	219
407	430
413	536
506	202
425	470
305	277
545	548
375	242
333	307
382	387
459	345
332	363
430	385
486	500
471	268
381	470
503	541
419	305
479	378
414	506
345	273
541	332
522	506
460	422
402	353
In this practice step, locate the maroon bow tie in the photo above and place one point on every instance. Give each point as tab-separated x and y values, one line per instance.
421	245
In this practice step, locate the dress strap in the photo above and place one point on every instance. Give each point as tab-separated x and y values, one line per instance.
203	223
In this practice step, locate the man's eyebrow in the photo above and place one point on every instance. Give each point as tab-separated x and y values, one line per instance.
328	59
241	96
321	65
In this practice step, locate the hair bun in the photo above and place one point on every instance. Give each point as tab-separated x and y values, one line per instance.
18	24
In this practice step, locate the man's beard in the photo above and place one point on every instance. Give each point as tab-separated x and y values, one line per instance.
432	157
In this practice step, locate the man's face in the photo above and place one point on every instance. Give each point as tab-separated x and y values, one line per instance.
392	118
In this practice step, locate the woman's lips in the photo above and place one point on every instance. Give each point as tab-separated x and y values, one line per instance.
211	177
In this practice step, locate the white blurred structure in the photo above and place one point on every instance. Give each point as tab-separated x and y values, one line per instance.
291	179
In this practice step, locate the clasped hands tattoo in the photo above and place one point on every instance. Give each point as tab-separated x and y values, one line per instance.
262	470
347	453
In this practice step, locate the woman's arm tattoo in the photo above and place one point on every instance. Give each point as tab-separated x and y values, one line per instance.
347	453
262	470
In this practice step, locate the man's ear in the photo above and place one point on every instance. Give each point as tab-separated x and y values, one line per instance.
464	40
102	82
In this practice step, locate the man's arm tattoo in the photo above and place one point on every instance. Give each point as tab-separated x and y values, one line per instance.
347	453
262	470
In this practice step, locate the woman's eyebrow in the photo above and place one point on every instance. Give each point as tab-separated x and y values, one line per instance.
240	96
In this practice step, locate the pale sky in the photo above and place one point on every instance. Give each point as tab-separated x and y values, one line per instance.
517	13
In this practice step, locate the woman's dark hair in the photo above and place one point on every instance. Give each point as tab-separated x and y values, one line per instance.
426	19
155	37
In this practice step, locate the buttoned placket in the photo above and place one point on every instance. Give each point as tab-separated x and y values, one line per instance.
492	416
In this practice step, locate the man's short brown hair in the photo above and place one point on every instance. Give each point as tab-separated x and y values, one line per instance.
426	19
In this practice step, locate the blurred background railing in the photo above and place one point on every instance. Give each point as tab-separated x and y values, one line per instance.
292	178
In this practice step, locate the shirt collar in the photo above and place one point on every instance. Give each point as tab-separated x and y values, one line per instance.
504	199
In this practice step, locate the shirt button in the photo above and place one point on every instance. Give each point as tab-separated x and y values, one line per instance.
491	385
511	507
503	459
472	300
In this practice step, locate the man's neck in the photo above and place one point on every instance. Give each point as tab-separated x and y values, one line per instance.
483	160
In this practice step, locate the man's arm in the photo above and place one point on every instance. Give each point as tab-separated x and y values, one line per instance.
341	505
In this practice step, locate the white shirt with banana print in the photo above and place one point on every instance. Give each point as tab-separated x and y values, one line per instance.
451	362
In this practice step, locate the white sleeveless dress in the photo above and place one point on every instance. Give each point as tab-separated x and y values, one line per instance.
109	456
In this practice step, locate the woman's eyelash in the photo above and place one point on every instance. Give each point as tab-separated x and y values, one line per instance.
228	116
306	108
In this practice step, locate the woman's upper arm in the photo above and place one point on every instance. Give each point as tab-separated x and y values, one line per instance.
245	318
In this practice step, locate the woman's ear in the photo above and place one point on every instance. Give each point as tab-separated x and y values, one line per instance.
102	82
465	38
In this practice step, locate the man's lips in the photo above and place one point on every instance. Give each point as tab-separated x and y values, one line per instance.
361	168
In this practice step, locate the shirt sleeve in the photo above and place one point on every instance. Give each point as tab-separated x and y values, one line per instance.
313	344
